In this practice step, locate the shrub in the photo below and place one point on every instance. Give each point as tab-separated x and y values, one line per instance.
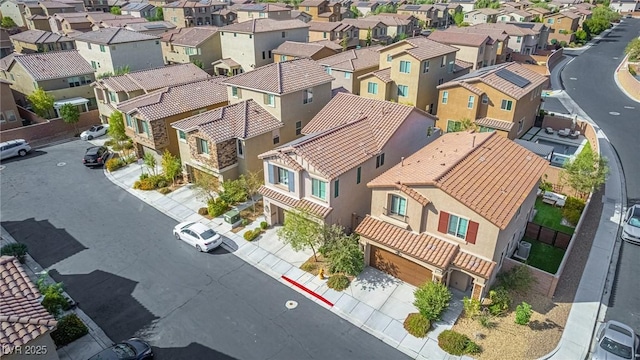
144	176
164	190
117	147
217	207
471	307
338	282
264	225
233	191
345	256
250	235
203	211
127	146
457	344
70	328
109	142
472	348
162	183
145	184
500	301
518	279
572	209
113	164
523	313
245	222
417	325
563	43
309	267
136	185
486	320
432	299
632	71
15	249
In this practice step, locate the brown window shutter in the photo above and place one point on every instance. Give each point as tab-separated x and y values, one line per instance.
443	222
472	232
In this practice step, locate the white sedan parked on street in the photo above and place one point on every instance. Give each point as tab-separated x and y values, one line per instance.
197	235
94	132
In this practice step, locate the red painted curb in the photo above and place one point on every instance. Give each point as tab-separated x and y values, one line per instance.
319	297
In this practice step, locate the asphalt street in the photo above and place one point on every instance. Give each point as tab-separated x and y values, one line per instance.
589	80
117	257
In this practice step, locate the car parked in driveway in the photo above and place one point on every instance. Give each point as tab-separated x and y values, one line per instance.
94	132
631	226
132	349
96	156
616	341
11	148
197	235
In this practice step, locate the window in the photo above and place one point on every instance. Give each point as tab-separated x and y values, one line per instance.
308	96
11	115
550	21
306	8
445	97
398	206
519	39
298	127
74	81
336	188
102	49
425	66
485	99
270	100
324	35
403	90
444	61
93	65
269	54
203	146
470	103
283	57
2	120
347	75
372	88
240	148
112	97
182	136
264	55
143	127
457	226
328	70
234	92
453	126
389	58
129	120
283	34
276	139
235	34
405	67
318	188
506	105
520	125
283	176
358	174
379	160
88	46
12	77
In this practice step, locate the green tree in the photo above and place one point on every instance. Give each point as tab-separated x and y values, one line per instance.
401	36
633	50
41	102
458	17
198	63
581	36
117	131
206	186
115	10
301	230
345	256
7	23
252	181
54	300
428	2
171	166
482	4
356	13
431	299
586	172
344	42
70	115
541	4
158	15
388	8
151	163
368	41
233	192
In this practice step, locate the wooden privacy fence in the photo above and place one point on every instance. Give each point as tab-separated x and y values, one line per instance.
548	236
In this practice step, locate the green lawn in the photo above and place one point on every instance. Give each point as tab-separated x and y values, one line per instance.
550	216
544	257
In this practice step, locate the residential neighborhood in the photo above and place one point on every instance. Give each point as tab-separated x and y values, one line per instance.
319	179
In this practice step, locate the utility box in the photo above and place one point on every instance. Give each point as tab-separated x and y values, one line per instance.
232	217
524	248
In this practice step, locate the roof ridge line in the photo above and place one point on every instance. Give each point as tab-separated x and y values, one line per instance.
477	146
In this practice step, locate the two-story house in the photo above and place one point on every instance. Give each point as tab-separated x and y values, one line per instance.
290	50
431	220
466	5
322	10
226	141
371	32
112	90
15	9
148	117
500	37
538	13
62	74
625	6
509	14
293	91
398	25
156	28
139	9
121	22
524	38
185	13
477	49
348	143
505	98
37	13
410	70
481	16
115	48
31	41
250	44
583	12
336	32
192	45
70	23
348	66
263	11
562	26
427	13
9	114
366	7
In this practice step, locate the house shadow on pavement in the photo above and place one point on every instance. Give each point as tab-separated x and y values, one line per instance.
191	351
46	244
371	279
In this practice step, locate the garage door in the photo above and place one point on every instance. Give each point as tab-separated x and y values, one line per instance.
401	268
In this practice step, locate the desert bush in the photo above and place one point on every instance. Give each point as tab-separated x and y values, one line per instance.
432	299
136	185
144	176
233	192
217	207
523	313
518	279
338	282
70	328
245	222
250	235
113	164
572	209
417	325
164	190
471	307
500	301
145	184
457	344
15	249
486	319
632	71
117	147
345	256
309	267
203	211
264	225
127	145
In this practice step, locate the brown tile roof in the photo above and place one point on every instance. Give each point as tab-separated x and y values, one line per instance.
39	37
111	36
263	7
22	316
176	100
329	44
421	199
299	49
461	65
311	3
300	204
471	88
569	13
354	59
264	25
283	77
390	20
121	23
538	10
384	75
420	8
151	25
190	4
228	62
325	26
54	64
517	29
423	247
488	173
153	79
192	36
422	48
495	123
242	120
474	264
496	34
455	38
364	23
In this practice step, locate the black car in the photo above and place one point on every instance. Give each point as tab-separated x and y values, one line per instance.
132	349
95	156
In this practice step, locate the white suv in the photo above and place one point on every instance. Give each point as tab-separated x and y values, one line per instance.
11	148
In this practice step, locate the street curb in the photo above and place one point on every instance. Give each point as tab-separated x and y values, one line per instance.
617	80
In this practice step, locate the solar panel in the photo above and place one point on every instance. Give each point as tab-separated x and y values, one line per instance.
412	7
513	78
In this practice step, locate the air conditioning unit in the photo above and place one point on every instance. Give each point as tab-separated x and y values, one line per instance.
522	253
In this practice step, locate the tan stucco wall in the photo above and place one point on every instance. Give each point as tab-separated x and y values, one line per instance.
352	84
384	89
210	51
124	54
8	105
275	15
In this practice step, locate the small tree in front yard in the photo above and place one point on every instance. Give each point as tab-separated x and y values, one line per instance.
206	186
301	232
587	172
432	299
233	191
633	50
345	256
171	166
115	10
151	163
41	102
118	133
70	115
252	182
7	23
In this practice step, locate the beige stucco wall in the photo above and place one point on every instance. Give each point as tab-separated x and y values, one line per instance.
275	15
8	107
208	52
470	54
42	343
14	11
384	89
121	55
353	83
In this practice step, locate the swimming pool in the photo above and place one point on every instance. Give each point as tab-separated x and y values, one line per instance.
559	148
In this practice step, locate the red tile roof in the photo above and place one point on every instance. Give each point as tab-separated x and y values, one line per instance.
300	204
455	38
299	49
495	123
422	48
